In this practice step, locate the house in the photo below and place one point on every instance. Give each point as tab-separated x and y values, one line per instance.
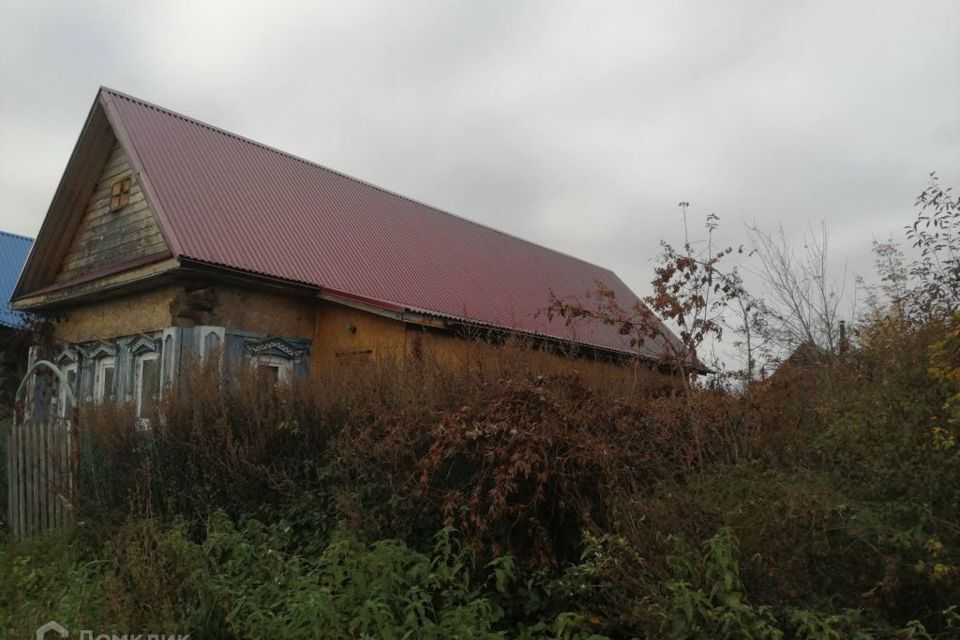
13	338
170	239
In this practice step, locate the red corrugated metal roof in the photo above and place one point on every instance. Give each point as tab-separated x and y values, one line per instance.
226	200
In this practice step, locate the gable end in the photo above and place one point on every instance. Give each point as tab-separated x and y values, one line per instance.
109	235
102	223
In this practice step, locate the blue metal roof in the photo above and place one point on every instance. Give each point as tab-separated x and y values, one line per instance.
13	253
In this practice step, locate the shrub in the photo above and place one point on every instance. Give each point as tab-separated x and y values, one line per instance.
50	578
837	479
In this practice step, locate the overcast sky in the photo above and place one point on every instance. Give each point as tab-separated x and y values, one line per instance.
578	125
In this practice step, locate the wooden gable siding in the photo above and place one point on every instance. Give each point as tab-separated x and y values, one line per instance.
108	238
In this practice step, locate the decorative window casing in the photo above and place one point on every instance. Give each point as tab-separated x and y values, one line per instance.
279	347
273	369
138	369
68	360
146	377
71	374
66	356
100	363
146	385
97	350
143	344
273	358
105	380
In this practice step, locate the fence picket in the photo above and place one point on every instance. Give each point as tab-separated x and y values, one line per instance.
21	490
57	506
12	477
42	460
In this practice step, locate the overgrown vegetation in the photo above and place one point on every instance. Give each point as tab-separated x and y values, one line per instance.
524	500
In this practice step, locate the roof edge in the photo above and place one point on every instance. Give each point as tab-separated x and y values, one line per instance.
149	193
170	112
99	273
59	201
16	236
405	313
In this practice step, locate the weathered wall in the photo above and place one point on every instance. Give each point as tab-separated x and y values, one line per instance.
139	312
347	334
154	309
339	334
342	334
495	361
272	314
106	238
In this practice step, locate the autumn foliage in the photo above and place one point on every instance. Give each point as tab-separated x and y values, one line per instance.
523	499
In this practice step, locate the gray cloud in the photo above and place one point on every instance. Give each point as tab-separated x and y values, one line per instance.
576	125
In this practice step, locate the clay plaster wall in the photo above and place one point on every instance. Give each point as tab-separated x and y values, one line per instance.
338	333
140	312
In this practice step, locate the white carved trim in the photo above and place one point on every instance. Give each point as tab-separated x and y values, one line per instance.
67	354
62	395
138	390
283	365
275	344
99	350
100	390
144	344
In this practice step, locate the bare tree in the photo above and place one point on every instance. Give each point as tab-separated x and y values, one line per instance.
890	296
803	301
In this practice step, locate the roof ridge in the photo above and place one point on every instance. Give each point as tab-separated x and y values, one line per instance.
281	152
16	235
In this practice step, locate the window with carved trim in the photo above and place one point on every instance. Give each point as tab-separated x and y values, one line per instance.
120	194
71	373
271	369
146	385
103	381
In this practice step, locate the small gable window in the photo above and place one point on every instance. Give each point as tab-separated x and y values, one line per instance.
120	194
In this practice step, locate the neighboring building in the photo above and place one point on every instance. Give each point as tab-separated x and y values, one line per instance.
13	254
169	238
13	338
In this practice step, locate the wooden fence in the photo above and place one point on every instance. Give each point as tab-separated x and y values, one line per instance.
40	475
42	456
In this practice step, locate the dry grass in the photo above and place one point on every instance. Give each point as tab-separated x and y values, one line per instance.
518	447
